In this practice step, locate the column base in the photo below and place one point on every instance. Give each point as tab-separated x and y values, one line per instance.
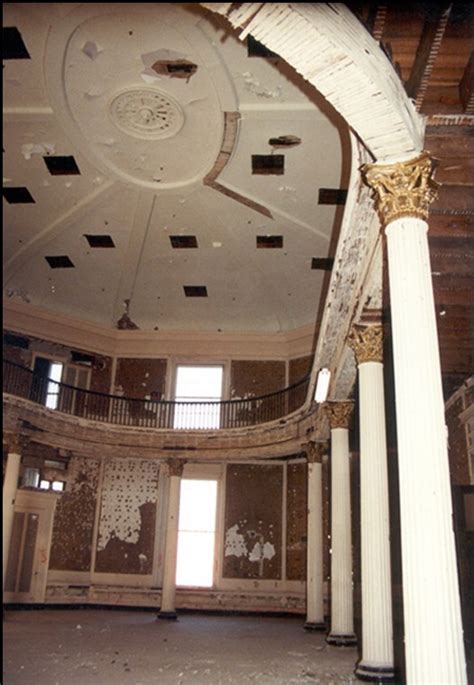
168	615
375	674
349	640
309	625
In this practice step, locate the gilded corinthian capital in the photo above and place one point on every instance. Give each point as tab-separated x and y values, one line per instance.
339	413
404	188
367	343
315	451
175	466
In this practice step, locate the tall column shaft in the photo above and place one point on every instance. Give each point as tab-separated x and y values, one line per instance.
433	631
9	492
168	593
377	626
314	560
342	613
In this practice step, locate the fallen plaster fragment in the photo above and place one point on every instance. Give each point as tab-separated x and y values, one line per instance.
91	49
29	149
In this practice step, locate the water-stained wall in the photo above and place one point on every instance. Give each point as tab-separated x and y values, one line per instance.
296	521
127	517
71	546
253	521
255	378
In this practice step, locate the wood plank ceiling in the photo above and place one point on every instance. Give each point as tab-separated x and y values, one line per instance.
430	46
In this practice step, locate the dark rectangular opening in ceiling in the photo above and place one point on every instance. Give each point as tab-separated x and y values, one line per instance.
257	49
99	240
16	196
183	241
13	46
323	263
195	290
61	166
269	241
268	164
60	262
332	196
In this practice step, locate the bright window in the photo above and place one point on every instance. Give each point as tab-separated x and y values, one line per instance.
196	385
196	533
52	393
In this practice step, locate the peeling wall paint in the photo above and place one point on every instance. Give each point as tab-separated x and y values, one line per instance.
127	518
255	378
71	545
296	521
253	521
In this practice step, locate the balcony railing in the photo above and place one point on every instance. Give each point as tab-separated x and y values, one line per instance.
127	411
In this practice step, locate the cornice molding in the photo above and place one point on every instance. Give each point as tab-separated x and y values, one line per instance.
66	330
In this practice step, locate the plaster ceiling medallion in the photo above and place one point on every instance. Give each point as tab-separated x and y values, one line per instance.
146	113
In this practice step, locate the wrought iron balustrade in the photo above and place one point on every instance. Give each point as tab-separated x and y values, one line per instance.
128	411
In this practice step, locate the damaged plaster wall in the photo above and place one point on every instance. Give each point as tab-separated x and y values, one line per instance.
128	516
253	521
138	378
299	368
255	378
296	521
71	546
101	367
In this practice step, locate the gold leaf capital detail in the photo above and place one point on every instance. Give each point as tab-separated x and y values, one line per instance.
404	188
339	413
367	343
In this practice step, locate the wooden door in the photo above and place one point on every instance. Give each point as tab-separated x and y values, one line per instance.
28	556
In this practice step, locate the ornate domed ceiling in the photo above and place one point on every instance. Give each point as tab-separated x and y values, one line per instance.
156	166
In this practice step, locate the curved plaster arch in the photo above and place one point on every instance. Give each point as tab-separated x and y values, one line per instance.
329	47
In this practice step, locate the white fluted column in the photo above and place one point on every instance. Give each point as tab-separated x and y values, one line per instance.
376	663
314	549
434	647
10	485
342	610
168	592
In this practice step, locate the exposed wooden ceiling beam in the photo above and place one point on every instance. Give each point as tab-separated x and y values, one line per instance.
427	52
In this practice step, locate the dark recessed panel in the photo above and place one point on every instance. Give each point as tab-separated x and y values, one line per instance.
13	46
183	241
61	166
99	240
332	196
268	164
323	263
60	262
269	241
16	196
256	49
195	290
81	358
16	341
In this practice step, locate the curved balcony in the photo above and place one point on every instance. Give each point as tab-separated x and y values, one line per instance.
165	414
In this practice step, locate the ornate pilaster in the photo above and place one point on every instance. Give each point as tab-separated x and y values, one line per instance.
342	611
175	467
367	343
168	593
314	560
404	188
376	663
434	648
